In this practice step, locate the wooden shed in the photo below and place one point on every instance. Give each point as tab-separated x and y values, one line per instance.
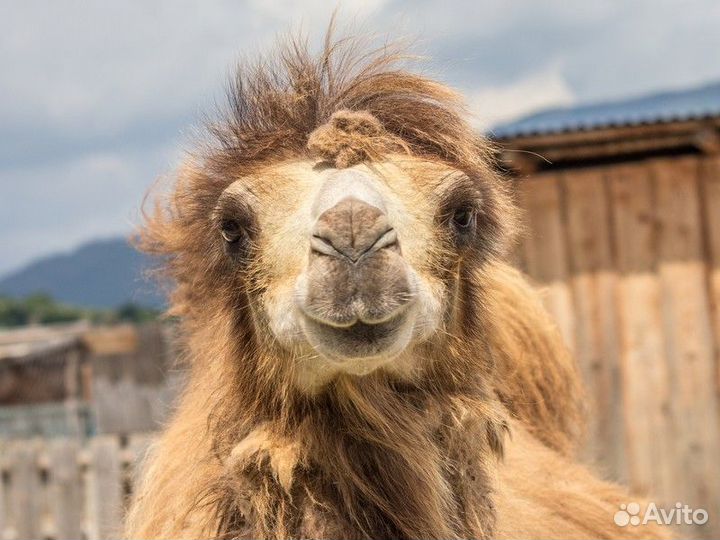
44	388
622	214
78	380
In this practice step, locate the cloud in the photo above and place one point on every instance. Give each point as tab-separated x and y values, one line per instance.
315	12
94	95
55	206
496	104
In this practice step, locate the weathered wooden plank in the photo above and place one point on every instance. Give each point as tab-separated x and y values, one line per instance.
104	497
644	376
146	404
24	496
688	335
3	496
594	291
710	179
544	249
42	462
65	488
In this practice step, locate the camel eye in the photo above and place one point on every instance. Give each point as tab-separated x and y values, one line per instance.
231	231
463	218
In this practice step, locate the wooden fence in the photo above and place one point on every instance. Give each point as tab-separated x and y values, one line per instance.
58	489
629	256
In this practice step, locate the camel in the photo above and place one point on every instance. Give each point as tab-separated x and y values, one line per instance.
362	362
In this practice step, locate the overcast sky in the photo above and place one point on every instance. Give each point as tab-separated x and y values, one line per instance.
98	98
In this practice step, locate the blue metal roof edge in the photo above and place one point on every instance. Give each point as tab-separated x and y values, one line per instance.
693	104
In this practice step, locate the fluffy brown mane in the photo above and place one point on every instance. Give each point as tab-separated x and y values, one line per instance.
249	455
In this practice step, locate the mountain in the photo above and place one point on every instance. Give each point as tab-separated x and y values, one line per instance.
99	274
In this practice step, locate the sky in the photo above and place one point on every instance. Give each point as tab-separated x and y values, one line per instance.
99	99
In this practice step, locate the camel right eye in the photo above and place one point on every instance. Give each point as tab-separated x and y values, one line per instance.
463	218
231	231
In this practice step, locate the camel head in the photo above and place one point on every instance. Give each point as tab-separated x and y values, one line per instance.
339	218
357	349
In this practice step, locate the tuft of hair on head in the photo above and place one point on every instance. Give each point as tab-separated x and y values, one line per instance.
350	137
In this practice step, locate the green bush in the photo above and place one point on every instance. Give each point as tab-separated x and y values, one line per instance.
43	309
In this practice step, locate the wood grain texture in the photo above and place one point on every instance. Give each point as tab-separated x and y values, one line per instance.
24	494
104	489
645	385
695	425
65	488
710	195
544	248
594	284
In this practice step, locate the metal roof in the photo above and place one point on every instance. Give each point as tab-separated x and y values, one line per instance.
693	104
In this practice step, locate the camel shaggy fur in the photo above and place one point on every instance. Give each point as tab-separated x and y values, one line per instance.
362	364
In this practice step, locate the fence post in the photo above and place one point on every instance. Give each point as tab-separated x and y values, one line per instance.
104	489
3	496
24	494
65	488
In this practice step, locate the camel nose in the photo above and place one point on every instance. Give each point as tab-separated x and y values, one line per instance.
351	229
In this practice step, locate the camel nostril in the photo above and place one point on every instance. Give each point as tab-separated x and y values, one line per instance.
351	229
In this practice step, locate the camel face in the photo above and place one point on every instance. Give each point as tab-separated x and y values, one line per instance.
356	265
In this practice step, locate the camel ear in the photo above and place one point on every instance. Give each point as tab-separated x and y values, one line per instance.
350	137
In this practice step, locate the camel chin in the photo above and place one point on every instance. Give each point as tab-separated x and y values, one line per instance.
360	343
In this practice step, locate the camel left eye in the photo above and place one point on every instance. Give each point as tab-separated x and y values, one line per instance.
231	231
463	218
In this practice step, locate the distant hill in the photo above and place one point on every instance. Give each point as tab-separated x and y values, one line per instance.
99	274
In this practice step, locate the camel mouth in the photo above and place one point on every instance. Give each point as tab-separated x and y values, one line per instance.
360	340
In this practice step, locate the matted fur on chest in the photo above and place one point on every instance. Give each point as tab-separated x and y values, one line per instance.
437	483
